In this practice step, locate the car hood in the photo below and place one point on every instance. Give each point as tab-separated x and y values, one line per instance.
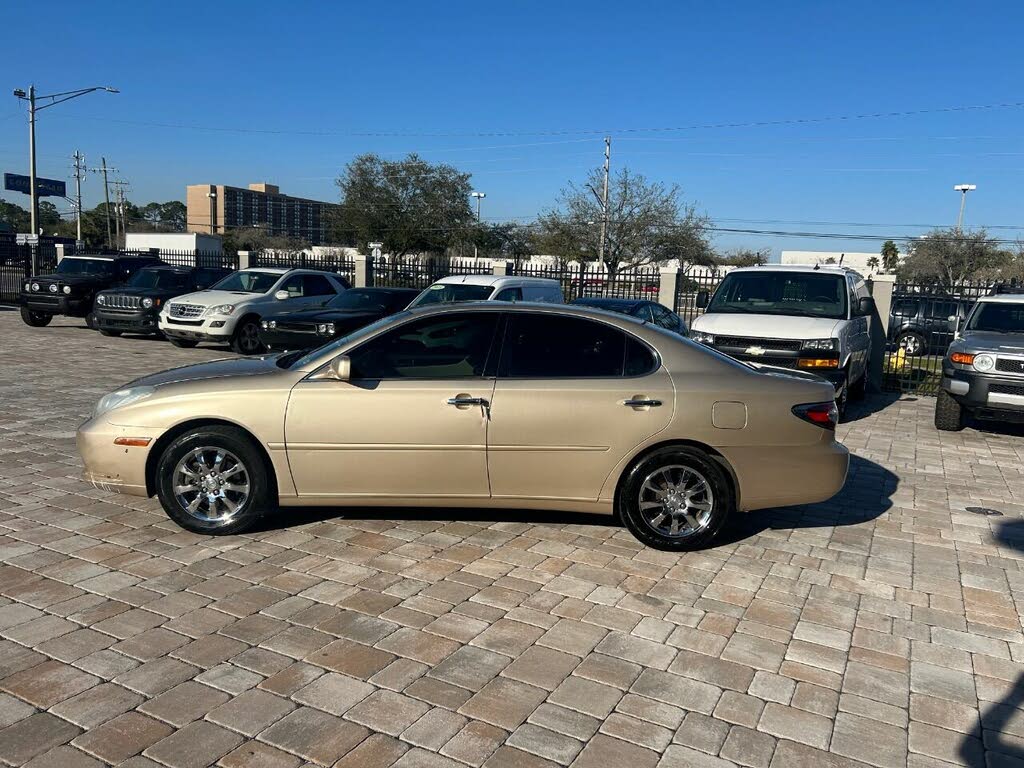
71	279
153	293
215	369
214	298
325	315
986	341
765	326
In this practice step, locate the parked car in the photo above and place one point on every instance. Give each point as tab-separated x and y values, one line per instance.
70	290
810	318
346	312
135	307
485	404
230	310
919	325
648	311
983	370
456	288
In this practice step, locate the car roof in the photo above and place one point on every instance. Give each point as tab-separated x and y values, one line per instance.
1003	298
269	270
579	310
828	269
608	301
494	280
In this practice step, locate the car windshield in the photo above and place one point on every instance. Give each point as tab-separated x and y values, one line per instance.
805	294
357	299
300	358
163	279
449	293
247	282
997	317
85	267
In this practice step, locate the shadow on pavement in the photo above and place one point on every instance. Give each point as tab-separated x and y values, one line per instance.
873	403
999	722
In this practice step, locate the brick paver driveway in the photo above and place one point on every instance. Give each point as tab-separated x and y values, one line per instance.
882	627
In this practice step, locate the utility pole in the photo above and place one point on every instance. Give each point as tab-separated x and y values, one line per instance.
479	196
120	213
79	171
106	192
604	200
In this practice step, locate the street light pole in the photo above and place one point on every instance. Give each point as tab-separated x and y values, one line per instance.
479	196
963	189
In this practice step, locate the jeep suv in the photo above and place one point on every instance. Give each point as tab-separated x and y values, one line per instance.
71	289
814	319
135	307
983	371
230	310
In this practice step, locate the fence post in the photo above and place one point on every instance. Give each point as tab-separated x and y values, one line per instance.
59	248
243	260
881	292
500	268
668	286
362	271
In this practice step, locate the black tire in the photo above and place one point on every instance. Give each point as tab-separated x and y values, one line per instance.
183	343
35	319
105	332
90	320
949	414
913	344
860	388
230	441
843	399
722	498
246	340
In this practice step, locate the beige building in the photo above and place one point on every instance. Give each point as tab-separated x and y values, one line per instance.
217	208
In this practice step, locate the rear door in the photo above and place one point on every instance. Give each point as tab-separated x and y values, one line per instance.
572	398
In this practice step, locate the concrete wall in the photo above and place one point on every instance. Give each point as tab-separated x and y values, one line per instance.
173	241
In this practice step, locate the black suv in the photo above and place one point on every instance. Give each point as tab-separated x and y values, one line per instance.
134	308
71	289
920	323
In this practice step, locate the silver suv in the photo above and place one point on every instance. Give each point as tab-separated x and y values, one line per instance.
983	371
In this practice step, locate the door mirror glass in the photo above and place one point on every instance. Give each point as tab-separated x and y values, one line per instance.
866	306
282	295
703	297
340	368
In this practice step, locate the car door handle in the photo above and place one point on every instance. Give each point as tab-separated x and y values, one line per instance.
457	401
641	403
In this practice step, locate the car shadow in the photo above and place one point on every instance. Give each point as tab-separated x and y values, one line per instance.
871	404
997	727
865	496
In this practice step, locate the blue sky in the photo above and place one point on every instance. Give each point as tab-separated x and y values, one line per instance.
290	86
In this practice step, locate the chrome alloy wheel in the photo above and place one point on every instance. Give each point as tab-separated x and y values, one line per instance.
676	501
211	484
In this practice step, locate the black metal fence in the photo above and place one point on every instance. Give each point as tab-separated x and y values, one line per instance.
17	258
592	280
688	286
419	273
343	264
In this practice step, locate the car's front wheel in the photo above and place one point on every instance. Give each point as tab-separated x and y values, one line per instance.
949	414
213	480
35	319
676	499
246	340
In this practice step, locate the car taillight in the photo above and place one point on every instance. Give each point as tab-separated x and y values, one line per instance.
824	415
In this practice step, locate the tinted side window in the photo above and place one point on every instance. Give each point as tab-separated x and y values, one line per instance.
317	285
293	285
941	310
644	312
639	359
906	307
550	346
664	318
510	294
447	347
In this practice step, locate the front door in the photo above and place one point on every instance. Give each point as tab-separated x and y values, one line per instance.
573	397
411	421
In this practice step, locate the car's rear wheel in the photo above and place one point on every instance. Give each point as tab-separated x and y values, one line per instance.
676	499
913	344
949	414
184	343
213	480
105	332
35	319
246	340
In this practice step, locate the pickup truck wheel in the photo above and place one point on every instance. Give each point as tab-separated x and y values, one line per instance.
35	319
184	343
949	414
246	340
105	332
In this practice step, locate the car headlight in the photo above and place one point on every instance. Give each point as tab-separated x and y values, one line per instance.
53	288
820	345
35	286
984	363
101	299
325	328
264	325
221	309
28	287
701	337
67	290
147	302
121	398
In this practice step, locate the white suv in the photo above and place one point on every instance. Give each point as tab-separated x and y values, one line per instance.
230	310
812	319
457	288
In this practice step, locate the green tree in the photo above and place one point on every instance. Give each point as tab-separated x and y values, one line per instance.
890	256
648	223
410	205
873	263
950	257
14	216
745	257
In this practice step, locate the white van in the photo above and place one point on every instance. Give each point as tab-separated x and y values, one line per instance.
813	319
455	288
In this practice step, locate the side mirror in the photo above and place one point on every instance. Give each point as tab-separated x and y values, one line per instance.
281	295
703	298
866	306
340	368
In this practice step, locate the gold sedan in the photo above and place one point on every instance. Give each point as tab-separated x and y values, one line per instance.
478	405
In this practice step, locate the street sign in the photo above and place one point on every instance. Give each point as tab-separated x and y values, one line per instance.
15	182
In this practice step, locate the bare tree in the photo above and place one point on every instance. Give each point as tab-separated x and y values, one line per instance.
950	257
